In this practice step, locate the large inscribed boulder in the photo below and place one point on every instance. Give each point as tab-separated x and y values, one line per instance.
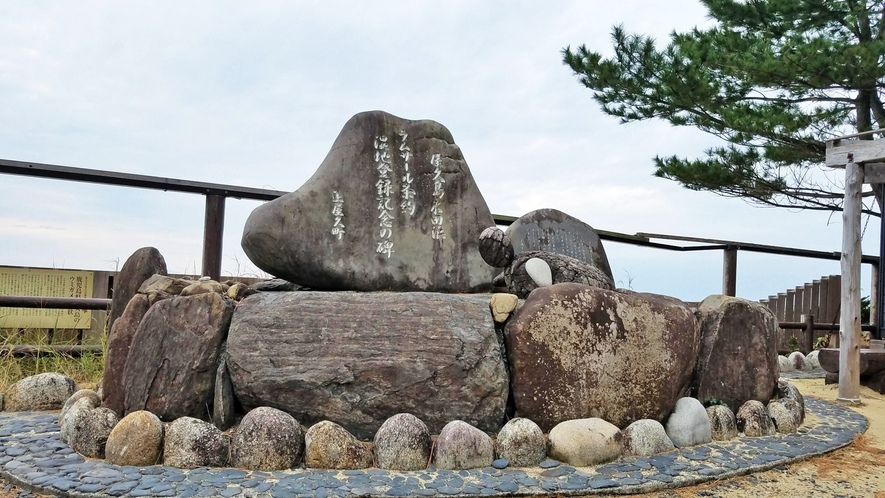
359	358
554	231
738	355
581	352
173	359
392	207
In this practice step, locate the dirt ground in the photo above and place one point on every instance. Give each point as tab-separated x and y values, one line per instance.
855	471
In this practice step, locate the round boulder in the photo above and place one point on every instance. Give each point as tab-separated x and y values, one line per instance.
689	425
45	391
95	401
462	446
67	422
522	443
86	428
723	424
267	439
327	445
402	443
584	442
753	420
646	437
136	440
797	360
784	414
784	364
811	359
785	390
191	443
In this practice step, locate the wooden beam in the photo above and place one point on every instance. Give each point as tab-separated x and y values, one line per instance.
841	152
849	330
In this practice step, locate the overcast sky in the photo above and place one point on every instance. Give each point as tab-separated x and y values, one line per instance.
254	94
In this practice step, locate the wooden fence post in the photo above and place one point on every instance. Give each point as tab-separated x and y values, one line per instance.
849	329
806	342
729	271
213	232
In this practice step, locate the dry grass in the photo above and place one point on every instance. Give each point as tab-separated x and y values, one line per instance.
86	370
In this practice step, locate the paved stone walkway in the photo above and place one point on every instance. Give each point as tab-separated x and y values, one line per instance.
32	456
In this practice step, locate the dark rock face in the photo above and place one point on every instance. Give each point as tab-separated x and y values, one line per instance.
359	358
143	263
553	231
580	352
392	207
223	401
738	356
173	359
119	342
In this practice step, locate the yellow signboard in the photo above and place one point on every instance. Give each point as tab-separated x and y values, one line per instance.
45	283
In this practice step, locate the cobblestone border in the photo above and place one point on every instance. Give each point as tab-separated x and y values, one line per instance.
32	457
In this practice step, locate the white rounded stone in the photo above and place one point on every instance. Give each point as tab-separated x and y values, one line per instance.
540	272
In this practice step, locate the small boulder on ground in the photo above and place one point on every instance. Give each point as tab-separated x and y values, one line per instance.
723	424
86	427
689	424
646	437
267	439
586	441
797	360
82	393
136	440
785	390
45	391
462	446
784	364
327	445
784	414
191	443
402	443
521	442
811	359
753	420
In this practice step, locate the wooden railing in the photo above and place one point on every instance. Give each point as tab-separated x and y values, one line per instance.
217	193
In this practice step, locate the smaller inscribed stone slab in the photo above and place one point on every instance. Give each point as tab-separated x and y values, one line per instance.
554	231
392	207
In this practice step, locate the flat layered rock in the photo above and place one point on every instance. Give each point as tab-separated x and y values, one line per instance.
359	358
392	207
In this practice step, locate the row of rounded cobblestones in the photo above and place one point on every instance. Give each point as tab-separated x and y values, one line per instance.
32	456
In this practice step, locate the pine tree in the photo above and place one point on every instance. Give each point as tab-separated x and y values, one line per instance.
774	79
